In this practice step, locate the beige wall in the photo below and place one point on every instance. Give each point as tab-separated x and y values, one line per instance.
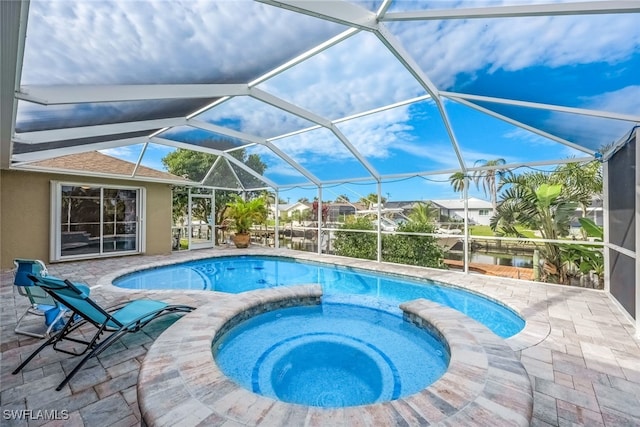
25	213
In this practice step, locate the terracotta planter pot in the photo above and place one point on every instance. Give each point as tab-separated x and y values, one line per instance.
242	240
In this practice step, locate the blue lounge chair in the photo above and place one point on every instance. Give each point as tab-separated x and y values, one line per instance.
126	318
41	303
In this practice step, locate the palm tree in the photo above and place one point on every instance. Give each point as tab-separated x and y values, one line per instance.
269	198
371	199
424	212
535	201
582	181
488	178
458	181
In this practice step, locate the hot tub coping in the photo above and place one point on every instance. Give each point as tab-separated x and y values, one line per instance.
180	383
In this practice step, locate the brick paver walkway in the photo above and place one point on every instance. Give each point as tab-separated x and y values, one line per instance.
586	371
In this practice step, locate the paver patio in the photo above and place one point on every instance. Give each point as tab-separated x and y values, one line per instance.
585	369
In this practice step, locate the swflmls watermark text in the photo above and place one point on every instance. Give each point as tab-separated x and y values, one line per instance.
30	415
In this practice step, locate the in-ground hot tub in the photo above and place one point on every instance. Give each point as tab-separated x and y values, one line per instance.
331	355
485	383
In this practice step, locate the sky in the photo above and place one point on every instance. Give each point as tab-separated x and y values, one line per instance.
587	62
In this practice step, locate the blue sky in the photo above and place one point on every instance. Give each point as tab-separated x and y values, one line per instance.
590	62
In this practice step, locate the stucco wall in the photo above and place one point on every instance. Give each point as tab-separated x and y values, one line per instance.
25	213
474	216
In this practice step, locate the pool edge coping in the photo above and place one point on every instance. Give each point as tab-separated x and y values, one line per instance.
484	381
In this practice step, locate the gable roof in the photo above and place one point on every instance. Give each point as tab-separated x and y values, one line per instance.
94	161
458	204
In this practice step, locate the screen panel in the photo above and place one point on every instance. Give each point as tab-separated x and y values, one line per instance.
352	77
33	117
151	42
622	224
254	117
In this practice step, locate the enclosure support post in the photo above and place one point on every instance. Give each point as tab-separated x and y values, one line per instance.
319	218
379	235
605	226
637	252
189	219
466	240
214	226
276	227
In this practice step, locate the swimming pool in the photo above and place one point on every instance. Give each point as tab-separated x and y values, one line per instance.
236	274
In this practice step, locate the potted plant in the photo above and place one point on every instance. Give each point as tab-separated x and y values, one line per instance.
243	214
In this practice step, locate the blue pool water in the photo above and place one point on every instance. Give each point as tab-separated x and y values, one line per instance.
246	273
331	355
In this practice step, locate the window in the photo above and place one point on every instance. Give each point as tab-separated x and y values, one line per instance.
484	212
95	220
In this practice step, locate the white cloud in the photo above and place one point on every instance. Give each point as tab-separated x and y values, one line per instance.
97	42
129	153
520	135
590	132
275	165
448	49
254	117
625	101
152	156
356	75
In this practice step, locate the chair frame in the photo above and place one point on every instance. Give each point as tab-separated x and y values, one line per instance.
94	346
27	290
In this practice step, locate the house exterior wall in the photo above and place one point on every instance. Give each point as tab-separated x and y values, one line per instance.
25	204
474	215
289	212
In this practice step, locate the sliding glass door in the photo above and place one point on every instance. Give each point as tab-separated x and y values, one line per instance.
119	220
94	220
201	224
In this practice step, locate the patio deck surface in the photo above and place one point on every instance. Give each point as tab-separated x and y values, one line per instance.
579	350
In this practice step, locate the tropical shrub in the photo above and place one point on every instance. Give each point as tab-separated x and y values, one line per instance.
413	250
355	244
538	205
246	213
404	249
586	259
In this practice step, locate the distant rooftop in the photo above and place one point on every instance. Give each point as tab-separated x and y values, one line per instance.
455	204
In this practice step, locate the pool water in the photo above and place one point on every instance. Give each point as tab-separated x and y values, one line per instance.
246	273
331	355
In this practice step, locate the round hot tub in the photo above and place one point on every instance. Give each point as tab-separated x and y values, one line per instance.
331	355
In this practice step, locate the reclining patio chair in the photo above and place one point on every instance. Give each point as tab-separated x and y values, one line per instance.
41	303
126	318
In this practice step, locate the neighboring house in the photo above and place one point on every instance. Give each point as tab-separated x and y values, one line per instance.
85	205
288	209
479	211
406	206
594	212
338	211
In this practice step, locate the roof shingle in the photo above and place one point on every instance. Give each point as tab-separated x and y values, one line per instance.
94	161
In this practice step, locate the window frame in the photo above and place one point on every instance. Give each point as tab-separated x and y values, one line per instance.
55	235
